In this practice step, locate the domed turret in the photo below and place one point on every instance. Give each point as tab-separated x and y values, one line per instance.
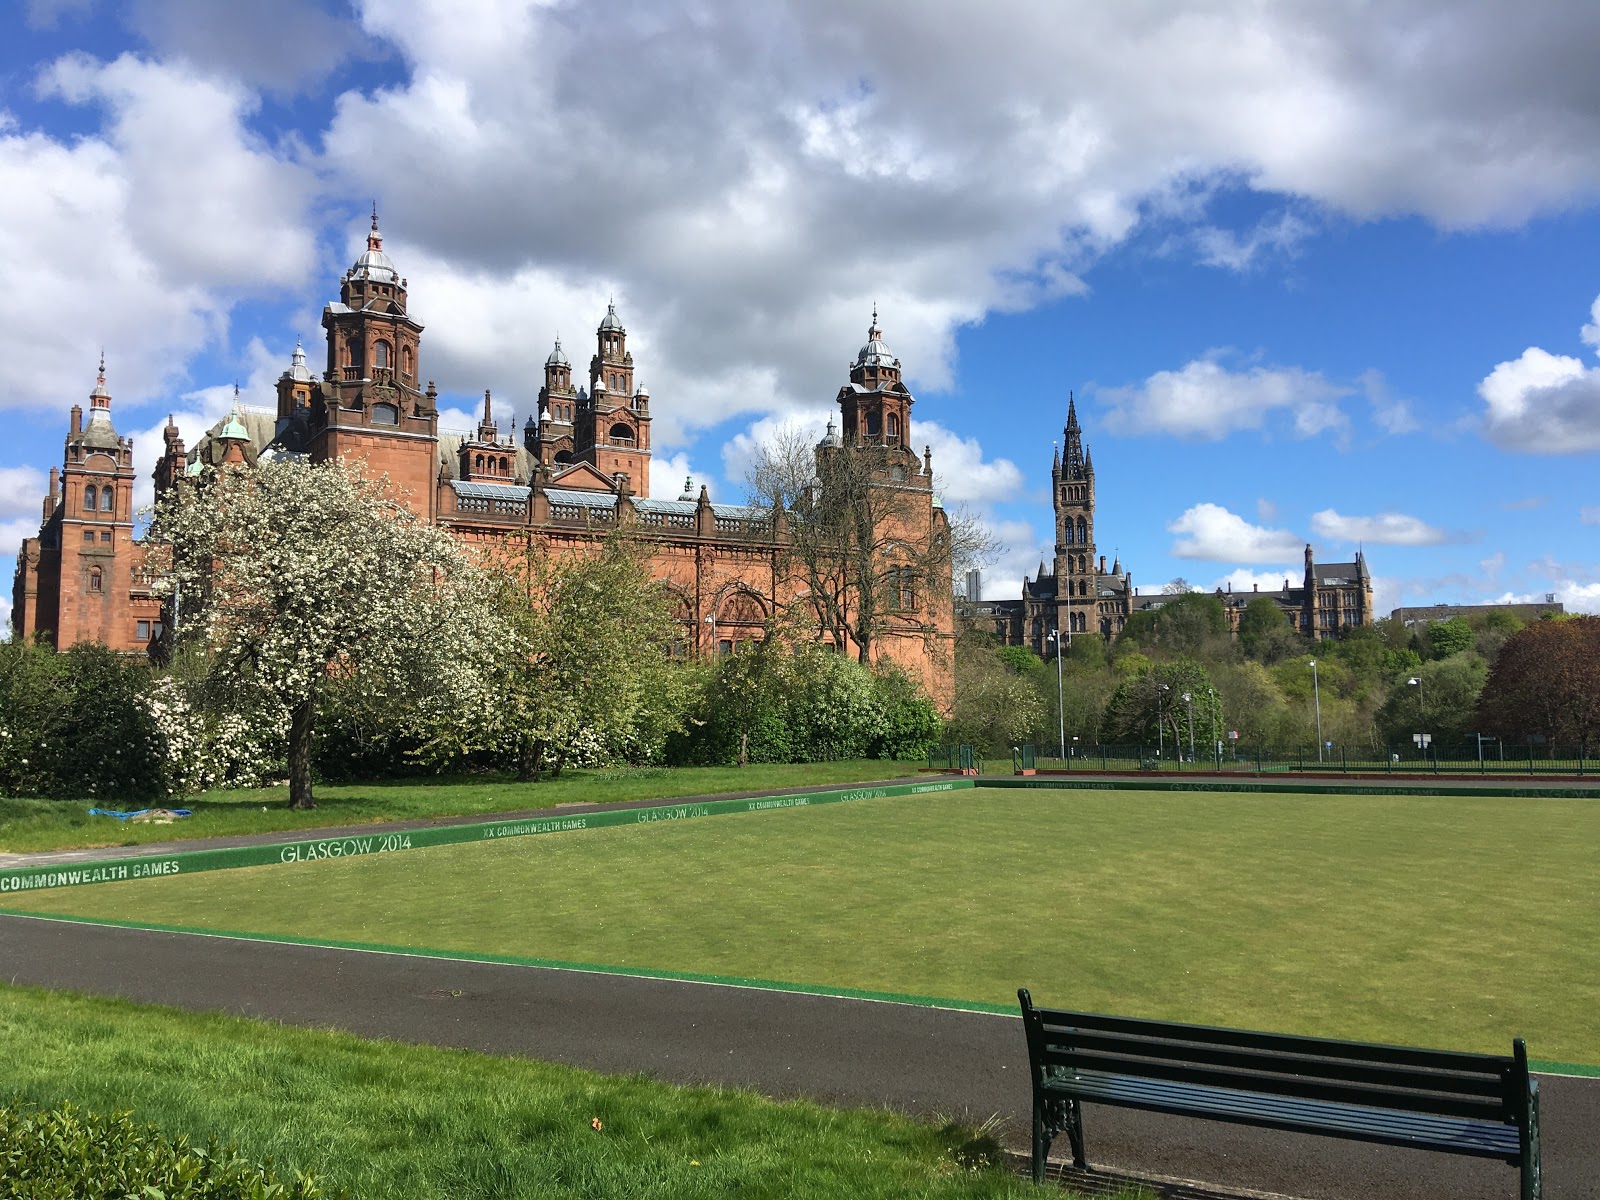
611	321
558	357
298	371
375	264
831	438
875	353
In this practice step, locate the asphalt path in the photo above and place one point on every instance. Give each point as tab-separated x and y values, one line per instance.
923	1061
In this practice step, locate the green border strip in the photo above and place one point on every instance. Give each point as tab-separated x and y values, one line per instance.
1541	1066
189	862
1353	788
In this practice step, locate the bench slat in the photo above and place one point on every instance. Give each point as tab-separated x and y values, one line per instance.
1065	1045
1290	1043
1473	1138
1310	1088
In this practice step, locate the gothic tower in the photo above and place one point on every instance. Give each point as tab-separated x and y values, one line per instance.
612	430
551	440
369	407
1072	485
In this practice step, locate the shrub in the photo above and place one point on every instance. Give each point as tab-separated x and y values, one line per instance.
65	1153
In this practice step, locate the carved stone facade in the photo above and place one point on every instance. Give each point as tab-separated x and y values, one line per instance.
579	472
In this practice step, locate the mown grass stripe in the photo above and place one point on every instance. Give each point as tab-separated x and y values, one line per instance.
1354	787
189	862
1539	1066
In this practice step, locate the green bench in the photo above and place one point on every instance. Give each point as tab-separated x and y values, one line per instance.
1484	1105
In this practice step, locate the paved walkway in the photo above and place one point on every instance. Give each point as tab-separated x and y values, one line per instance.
928	1062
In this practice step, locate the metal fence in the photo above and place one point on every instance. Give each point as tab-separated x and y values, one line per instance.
1485	756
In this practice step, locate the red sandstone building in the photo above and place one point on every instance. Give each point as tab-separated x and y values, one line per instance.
579	472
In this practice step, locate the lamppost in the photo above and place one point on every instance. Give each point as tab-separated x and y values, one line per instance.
712	621
1316	695
1422	713
1188	698
1161	719
1061	710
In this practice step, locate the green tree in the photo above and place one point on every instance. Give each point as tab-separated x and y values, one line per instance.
294	574
1150	707
588	661
996	707
1443	704
1265	633
1546	684
1187	624
1450	637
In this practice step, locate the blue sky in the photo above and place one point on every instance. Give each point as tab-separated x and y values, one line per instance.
1314	273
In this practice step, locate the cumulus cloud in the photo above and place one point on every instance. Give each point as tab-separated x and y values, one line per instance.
146	230
1278	236
1545	403
1214	534
668	473
961	474
1206	401
21	491
1577	597
1242	579
1384	529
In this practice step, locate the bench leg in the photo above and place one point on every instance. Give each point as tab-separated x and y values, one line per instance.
1532	1183
1051	1118
1075	1134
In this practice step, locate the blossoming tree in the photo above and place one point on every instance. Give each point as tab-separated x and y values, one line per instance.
290	574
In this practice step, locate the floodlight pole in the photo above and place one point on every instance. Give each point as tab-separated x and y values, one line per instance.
1316	694
1189	697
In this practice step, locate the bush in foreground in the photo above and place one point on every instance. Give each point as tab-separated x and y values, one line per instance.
67	1153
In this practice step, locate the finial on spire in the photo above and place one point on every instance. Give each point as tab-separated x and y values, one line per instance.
874	333
374	214
102	376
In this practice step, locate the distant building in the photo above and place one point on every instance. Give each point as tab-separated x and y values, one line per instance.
1080	596
1426	615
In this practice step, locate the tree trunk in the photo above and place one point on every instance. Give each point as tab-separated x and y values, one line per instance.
300	755
528	754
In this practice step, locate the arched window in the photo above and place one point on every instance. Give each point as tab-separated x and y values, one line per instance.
91	498
96	580
894	426
1083	562
872	424
1067	532
385	414
352	352
479	462
108	498
621	433
405	360
505	465
1083	530
897	473
380	353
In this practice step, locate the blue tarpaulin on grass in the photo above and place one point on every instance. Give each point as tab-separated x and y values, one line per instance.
128	816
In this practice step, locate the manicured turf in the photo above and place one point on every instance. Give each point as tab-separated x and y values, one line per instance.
30	825
387	1119
1455	922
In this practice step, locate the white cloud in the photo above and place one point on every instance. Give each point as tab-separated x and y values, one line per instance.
1577	597
1241	579
1276	236
1384	529
1217	535
146	231
1206	401
1390	413
668	473
1545	403
1590	515
22	492
960	473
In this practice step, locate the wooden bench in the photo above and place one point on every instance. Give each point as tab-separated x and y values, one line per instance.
1483	1105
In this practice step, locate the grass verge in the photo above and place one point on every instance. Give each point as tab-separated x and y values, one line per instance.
29	825
387	1119
1406	920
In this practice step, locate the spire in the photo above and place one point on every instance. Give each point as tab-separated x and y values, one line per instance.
1072	413
374	238
487	432
1072	461
873	332
1055	457
100	399
233	428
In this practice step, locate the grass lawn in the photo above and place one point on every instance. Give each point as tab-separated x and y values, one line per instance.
1453	922
28	825
387	1119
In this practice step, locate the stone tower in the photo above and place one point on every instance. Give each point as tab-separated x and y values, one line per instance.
612	428
1072	489
369	408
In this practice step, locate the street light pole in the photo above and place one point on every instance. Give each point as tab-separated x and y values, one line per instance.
1189	698
1061	710
1161	720
1422	715
1316	694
